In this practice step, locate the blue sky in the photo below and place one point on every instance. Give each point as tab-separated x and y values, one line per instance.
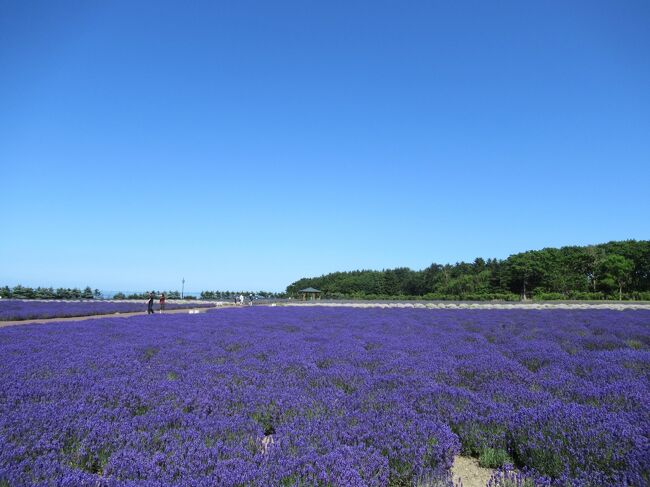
243	145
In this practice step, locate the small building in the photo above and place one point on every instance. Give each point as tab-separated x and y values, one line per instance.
310	292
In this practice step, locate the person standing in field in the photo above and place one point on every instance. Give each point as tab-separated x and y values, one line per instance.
150	304
162	302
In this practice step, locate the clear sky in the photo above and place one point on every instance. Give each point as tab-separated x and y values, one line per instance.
243	145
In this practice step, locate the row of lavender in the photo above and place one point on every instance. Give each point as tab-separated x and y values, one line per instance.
18	309
313	396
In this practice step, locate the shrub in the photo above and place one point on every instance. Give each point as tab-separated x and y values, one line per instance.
494	458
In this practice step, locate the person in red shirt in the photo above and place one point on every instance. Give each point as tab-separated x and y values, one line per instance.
162	302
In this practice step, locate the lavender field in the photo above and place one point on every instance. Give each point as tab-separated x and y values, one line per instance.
18	309
327	396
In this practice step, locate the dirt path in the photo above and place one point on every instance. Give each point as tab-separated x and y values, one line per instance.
89	317
467	472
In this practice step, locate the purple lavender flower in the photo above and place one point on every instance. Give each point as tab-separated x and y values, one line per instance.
326	396
18	309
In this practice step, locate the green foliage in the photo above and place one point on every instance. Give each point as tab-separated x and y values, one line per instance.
5	292
140	410
22	292
634	344
83	459
401	473
290	481
476	437
494	458
602	271
618	270
149	353
268	417
544	460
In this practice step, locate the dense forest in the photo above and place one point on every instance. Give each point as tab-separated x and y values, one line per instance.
614	270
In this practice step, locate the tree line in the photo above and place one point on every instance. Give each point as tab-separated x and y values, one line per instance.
23	292
613	270
228	295
145	295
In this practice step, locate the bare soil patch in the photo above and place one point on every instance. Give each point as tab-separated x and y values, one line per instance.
467	472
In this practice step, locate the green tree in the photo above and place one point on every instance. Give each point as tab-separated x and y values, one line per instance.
594	256
43	293
568	270
618	269
21	292
523	272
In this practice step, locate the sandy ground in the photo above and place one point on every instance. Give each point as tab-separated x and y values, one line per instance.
91	317
616	305
467	472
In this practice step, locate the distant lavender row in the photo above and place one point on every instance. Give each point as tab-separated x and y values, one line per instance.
327	396
17	309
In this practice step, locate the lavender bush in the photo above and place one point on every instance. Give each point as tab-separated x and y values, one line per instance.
334	396
18	309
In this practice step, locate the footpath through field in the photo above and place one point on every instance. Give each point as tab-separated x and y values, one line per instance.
614	305
110	315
